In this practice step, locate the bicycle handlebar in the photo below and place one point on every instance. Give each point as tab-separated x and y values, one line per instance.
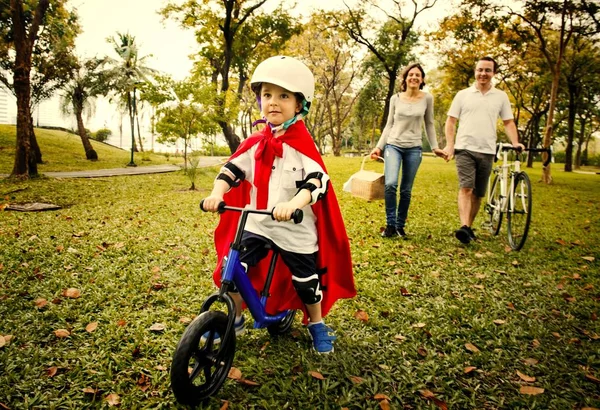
509	147
297	215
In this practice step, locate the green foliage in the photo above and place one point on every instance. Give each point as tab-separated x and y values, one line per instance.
145	256
102	134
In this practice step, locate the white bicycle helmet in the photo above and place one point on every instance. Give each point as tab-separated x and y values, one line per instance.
286	72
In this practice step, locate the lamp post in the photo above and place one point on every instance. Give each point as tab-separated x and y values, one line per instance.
131	119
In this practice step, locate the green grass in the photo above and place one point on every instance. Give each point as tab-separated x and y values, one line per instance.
62	151
141	252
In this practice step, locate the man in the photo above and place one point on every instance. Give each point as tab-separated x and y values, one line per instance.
478	108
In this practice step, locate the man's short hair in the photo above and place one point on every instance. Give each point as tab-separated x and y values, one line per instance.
487	58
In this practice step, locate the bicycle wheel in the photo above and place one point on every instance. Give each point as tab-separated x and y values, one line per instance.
494	207
519	212
283	326
199	368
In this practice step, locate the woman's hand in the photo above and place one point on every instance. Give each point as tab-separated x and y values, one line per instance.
375	154
440	153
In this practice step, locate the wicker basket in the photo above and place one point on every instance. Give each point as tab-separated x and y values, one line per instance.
368	185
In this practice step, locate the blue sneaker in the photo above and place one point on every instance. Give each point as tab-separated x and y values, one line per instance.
240	329
322	337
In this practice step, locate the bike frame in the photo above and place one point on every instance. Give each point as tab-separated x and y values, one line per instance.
233	272
507	170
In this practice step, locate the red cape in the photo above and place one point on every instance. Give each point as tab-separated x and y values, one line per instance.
334	248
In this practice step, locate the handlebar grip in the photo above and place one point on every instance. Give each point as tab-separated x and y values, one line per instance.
298	216
202	206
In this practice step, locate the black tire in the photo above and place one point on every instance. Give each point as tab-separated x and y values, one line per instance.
519	212
284	325
493	207
209	362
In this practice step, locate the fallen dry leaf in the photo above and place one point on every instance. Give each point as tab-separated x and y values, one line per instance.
525	378
121	323
157	327
89	390
592	378
589	258
2	341
381	396
361	315
428	394
469	369
91	327
248	382
384	405
316	375
40	303
225	405
400	338
471	348
499	322
356	379
531	390
235	373
113	399
51	371
61	333
419	325
530	361
72	293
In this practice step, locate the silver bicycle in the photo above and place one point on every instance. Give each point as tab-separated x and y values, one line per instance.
509	192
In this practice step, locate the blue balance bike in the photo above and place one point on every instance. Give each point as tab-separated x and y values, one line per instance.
201	365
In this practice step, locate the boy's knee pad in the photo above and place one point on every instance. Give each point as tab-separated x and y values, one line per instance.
309	289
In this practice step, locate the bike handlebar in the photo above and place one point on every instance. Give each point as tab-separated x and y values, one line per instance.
509	147
297	215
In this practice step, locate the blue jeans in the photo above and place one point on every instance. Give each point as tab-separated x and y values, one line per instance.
409	159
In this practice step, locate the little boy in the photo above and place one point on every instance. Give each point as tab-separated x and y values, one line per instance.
279	168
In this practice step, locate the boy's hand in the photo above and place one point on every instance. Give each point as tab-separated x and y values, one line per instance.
211	203
283	211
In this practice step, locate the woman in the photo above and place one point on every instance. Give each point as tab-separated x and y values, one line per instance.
401	144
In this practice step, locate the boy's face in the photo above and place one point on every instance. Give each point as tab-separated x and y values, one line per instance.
278	104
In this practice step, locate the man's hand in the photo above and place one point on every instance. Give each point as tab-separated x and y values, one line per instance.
211	203
440	153
518	146
448	152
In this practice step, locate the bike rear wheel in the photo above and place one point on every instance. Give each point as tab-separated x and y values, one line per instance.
519	212
199	368
494	207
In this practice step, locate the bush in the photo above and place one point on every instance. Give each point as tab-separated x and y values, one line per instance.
102	134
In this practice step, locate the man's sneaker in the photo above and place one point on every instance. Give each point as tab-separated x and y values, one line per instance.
240	329
322	337
463	234
472	234
389	232
401	232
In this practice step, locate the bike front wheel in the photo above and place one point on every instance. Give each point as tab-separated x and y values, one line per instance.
494	206
200	366
519	212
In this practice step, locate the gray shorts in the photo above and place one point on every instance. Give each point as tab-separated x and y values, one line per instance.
474	169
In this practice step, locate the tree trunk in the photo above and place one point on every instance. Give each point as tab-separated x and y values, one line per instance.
35	148
90	153
570	130
580	142
137	119
232	139
390	93
25	165
546	172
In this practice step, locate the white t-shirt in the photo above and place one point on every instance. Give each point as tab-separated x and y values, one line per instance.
477	116
287	170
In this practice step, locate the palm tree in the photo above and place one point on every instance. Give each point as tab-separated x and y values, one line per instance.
127	74
78	95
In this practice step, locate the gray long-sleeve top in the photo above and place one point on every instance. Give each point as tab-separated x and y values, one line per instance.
403	127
